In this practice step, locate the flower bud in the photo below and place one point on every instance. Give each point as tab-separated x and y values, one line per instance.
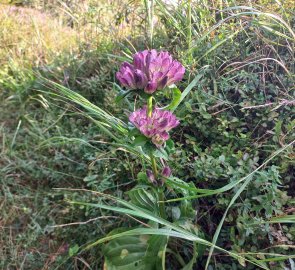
151	176
166	172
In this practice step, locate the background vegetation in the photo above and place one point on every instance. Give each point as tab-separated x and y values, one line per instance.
233	122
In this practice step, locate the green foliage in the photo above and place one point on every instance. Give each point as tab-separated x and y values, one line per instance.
232	155
134	252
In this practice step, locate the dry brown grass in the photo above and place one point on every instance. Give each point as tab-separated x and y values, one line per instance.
30	37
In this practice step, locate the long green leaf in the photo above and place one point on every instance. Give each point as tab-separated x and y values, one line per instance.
187	90
61	91
173	230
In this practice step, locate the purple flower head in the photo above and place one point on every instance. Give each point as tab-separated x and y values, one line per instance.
151	71
155	127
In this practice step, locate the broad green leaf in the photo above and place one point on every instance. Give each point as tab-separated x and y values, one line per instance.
170	147
149	148
171	233
156	251
132	253
144	197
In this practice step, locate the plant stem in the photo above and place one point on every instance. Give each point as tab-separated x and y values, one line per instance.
152	23
154	163
149	106
160	190
149	6
154	166
189	30
161	204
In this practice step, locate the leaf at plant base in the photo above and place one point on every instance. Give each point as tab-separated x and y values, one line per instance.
156	250
144	197
126	253
141	252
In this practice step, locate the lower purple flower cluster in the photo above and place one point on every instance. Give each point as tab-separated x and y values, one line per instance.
155	127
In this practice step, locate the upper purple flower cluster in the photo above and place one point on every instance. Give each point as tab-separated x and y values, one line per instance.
150	71
155	127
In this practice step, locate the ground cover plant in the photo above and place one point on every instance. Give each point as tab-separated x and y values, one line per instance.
79	172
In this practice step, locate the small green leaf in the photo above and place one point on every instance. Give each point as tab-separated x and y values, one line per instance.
149	148
73	250
170	147
175	100
140	140
142	178
121	95
161	153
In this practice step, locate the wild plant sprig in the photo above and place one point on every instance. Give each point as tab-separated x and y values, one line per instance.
150	72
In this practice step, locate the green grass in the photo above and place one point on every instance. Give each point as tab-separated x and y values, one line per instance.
62	132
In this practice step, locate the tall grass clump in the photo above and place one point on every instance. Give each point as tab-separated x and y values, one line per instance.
35	151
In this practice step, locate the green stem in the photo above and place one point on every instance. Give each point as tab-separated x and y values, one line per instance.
154	166
160	190
149	6
177	256
149	106
154	163
152	24
161	203
189	30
